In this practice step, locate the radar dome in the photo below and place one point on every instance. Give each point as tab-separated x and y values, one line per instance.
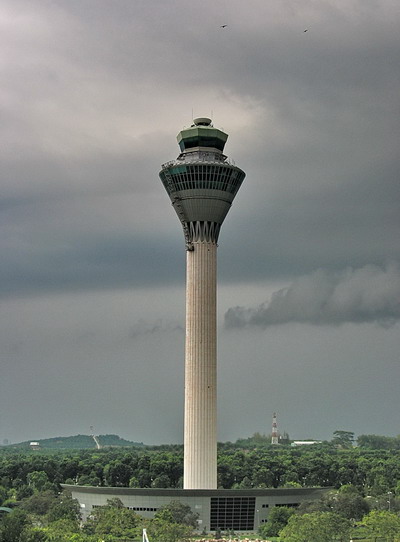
202	121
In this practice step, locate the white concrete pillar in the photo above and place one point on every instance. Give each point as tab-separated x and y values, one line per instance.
200	438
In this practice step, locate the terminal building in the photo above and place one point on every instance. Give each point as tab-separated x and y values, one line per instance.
225	509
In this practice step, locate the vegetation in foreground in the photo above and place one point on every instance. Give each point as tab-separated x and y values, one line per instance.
364	505
47	517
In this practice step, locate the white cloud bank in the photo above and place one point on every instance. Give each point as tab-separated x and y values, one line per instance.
368	294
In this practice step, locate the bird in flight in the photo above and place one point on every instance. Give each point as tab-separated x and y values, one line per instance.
223	25
306	30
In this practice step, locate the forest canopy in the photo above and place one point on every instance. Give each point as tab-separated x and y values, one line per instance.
372	467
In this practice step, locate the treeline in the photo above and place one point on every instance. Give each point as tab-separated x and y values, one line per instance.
372	472
77	442
342	439
377	442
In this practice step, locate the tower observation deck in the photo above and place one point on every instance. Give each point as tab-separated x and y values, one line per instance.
202	184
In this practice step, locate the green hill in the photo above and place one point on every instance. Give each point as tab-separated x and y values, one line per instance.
79	442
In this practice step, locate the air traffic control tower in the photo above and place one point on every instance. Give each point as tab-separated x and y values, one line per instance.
202	185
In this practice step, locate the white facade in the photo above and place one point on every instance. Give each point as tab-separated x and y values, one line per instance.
240	510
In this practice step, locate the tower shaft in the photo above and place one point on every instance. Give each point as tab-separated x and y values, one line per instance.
200	435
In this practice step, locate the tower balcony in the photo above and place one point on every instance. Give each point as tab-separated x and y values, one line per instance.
204	191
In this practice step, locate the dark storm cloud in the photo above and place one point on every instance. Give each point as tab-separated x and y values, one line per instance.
369	294
92	262
312	119
329	220
92	254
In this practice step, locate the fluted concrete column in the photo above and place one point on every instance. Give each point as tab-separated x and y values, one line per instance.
200	436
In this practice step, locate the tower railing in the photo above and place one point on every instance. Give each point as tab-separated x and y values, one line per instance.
200	156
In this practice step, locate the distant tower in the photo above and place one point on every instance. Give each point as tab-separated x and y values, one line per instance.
274	439
201	184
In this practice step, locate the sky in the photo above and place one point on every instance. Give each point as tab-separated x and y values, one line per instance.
92	256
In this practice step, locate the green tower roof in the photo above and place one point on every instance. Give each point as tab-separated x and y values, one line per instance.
201	134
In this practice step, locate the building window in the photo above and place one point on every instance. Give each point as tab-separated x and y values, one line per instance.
202	177
142	508
232	513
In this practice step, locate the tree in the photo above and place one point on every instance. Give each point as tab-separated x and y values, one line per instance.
115	502
173	522
117	473
65	507
245	483
382	524
344	439
316	527
23	492
3	494
309	507
89	480
37	479
277	520
177	512
161	481
161	530
134	482
62	530
291	484
34	534
39	503
351	506
348	503
12	526
378	442
113	519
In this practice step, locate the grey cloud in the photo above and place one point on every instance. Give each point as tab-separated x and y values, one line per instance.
368	294
93	94
328	218
93	262
143	327
312	120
